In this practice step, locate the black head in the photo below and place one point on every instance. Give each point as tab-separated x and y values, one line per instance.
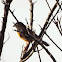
19	24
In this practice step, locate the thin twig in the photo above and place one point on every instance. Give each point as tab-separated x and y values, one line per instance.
22	51
52	18
49	7
27	23
13	15
49	54
58	4
43	47
7	39
31	14
47	22
39	54
52	40
48	4
59	22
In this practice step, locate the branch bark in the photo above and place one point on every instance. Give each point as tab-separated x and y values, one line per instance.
59	4
13	15
47	22
31	14
39	54
2	32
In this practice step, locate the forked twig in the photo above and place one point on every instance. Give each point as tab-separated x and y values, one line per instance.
54	18
59	26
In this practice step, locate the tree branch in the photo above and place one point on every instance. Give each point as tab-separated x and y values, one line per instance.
56	23
39	54
2	32
31	51
31	14
47	22
13	15
52	40
58	4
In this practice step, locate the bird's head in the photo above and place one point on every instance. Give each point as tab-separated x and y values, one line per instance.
19	25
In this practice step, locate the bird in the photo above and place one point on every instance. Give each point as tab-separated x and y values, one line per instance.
23	34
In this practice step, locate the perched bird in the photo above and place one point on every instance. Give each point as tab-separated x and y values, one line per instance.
23	34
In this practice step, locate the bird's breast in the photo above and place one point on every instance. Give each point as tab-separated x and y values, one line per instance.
22	36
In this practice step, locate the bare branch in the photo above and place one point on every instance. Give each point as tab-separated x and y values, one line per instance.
49	7
58	4
27	55
53	18
6	9
58	26
52	40
27	23
48	4
13	15
49	54
47	22
39	54
30	52
31	14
